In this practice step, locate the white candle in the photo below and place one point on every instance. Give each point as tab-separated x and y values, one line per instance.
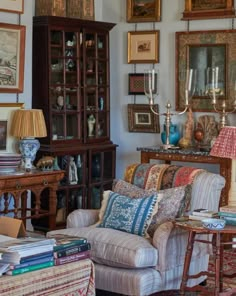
217	75
149	80
153	79
190	74
213	78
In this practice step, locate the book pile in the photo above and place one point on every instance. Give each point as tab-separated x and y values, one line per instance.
200	214
70	248
26	254
229	214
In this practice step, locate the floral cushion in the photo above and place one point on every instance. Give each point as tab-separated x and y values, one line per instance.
173	202
132	215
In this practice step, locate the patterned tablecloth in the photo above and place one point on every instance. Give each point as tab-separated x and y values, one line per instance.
75	278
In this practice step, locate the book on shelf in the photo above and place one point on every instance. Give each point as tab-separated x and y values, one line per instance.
72	258
229	220
72	250
228	209
30	268
227	214
205	212
19	260
63	241
32	262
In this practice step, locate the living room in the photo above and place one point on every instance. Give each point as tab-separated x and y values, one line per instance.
126	139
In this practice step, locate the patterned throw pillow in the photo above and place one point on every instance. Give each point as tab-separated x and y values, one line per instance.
128	214
173	202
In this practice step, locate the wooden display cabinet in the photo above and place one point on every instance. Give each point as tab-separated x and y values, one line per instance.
71	84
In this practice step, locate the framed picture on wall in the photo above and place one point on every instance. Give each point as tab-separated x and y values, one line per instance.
7	141
142	120
12	58
136	83
139	11
143	47
207	9
15	6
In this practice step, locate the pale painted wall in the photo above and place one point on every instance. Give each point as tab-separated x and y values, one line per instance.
115	11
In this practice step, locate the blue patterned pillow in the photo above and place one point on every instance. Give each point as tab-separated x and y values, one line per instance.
127	214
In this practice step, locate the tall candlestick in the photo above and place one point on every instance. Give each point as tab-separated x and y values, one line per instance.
190	72
217	73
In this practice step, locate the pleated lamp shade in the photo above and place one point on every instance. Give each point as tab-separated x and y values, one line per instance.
28	123
225	144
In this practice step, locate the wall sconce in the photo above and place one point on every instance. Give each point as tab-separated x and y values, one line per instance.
28	125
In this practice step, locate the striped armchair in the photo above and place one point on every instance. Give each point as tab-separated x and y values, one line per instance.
130	264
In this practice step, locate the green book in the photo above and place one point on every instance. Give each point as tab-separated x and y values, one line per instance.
227	214
64	241
30	268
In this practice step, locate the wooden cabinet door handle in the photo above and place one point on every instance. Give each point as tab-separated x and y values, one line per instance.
45	182
18	186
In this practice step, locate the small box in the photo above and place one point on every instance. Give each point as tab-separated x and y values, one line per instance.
83	9
12	227
50	7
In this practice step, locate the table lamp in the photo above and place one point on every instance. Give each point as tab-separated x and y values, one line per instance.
26	125
225	146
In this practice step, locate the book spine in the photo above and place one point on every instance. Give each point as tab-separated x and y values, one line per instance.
72	251
38	256
30	268
32	262
228	210
230	221
205	214
72	258
71	244
227	214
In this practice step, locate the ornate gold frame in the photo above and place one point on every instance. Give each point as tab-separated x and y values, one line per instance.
142	14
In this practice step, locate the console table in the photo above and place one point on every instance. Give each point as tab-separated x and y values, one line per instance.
186	155
16	186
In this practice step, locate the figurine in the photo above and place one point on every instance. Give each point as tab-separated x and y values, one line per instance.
91	124
73	176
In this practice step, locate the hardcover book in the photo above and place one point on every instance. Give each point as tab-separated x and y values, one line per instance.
227	214
195	217
72	258
72	250
205	213
32	262
30	268
63	241
230	209
7	257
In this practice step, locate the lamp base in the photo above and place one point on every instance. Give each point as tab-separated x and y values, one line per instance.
28	148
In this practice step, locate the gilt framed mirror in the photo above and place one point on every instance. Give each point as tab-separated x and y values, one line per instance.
201	50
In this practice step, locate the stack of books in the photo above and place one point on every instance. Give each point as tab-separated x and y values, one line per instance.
70	248
229	214
26	254
200	214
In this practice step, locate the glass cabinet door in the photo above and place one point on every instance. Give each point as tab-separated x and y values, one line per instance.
64	85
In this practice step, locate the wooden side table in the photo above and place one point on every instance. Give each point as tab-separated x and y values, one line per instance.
17	186
195	228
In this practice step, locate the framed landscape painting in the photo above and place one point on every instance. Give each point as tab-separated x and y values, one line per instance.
15	6
139	11
12	58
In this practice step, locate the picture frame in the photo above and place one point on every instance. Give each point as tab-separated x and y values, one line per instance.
12	56
143	47
198	9
6	114
187	43
139	11
142	120
136	83
16	6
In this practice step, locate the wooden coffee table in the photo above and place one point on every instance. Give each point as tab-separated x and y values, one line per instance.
195	228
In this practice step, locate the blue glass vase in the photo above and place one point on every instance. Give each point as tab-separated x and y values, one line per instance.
174	134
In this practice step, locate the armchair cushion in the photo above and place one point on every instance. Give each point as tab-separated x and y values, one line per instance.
173	202
127	214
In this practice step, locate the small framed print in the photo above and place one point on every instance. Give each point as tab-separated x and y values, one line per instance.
141	119
207	9
136	83
139	11
143	47
15	6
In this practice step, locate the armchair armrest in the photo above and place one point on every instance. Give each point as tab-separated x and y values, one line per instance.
82	218
171	243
